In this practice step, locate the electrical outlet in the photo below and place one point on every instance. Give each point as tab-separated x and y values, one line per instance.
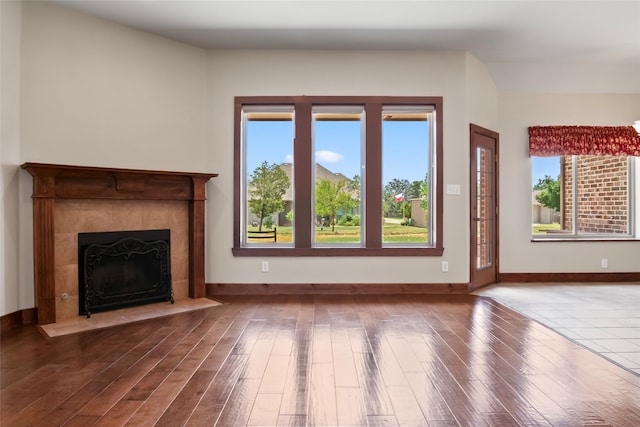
265	266
445	266
604	263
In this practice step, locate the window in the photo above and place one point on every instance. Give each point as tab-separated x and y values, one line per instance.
338	176
583	196
406	150
338	142
584	184
267	170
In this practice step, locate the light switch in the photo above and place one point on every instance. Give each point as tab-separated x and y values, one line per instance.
453	189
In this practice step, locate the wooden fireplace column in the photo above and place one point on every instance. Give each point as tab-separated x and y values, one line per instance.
51	182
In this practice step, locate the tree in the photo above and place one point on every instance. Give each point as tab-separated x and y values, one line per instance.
413	192
424	194
549	195
330	197
267	185
353	186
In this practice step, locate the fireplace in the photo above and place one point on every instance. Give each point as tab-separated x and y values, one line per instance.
123	269
121	197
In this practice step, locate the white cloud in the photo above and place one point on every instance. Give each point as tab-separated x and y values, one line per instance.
288	158
328	156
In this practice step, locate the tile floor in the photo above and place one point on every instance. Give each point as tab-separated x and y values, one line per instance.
605	318
122	316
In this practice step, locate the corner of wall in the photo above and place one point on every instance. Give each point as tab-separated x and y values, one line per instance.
482	94
10	70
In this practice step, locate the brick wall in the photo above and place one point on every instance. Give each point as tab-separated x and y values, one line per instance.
602	194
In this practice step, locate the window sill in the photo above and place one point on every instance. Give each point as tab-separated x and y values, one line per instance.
324	252
585	239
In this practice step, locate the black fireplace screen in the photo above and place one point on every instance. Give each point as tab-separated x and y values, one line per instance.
123	269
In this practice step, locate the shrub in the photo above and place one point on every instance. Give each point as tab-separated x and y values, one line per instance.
346	220
349	220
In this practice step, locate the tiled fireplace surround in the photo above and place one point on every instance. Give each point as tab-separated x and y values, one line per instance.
73	217
68	200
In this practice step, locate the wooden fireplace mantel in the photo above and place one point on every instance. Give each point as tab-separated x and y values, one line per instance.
51	182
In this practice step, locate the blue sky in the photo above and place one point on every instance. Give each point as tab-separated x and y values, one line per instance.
337	147
541	166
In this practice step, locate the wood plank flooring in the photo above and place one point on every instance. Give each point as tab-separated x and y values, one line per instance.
419	360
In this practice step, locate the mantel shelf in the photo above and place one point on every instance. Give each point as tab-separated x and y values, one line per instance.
87	182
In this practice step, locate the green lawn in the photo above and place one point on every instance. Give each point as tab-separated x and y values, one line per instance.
345	234
541	228
392	233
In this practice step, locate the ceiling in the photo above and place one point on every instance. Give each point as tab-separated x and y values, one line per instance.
533	31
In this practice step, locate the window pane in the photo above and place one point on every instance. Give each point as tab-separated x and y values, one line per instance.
581	195
546	196
337	146
601	194
407	194
484	208
268	194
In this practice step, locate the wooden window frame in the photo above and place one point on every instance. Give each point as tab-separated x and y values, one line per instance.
303	176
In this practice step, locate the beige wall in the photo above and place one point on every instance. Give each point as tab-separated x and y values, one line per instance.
100	94
482	96
12	296
341	73
566	77
517	111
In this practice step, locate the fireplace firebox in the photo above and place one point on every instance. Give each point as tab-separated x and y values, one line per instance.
123	269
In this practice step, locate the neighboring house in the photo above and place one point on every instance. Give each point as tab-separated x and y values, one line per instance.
418	213
541	214
320	173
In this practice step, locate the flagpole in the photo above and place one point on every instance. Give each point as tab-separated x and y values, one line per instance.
401	199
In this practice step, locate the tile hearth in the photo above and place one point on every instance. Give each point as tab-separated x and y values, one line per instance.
127	315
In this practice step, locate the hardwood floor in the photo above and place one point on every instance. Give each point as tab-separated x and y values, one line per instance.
317	360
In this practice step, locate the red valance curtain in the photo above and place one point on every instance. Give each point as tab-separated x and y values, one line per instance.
583	140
